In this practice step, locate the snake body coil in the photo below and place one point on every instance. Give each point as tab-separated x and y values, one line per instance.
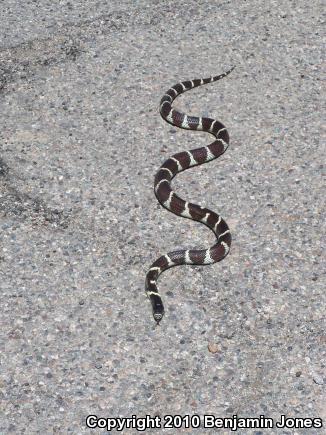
168	199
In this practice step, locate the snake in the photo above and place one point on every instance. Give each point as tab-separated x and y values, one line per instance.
172	202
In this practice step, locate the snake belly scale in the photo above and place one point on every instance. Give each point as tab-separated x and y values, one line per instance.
172	202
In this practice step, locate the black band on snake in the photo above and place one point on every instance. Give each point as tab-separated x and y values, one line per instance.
168	199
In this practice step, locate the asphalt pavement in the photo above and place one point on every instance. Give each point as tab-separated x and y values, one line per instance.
81	139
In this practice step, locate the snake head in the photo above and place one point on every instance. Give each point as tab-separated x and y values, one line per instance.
158	316
157	304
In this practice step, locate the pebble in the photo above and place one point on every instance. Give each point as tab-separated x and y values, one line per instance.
213	347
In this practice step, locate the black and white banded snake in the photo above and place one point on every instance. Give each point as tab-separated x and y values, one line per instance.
172	202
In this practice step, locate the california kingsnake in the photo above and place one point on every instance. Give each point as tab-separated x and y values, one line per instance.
168	199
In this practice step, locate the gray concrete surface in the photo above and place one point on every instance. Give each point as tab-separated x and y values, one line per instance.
81	140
